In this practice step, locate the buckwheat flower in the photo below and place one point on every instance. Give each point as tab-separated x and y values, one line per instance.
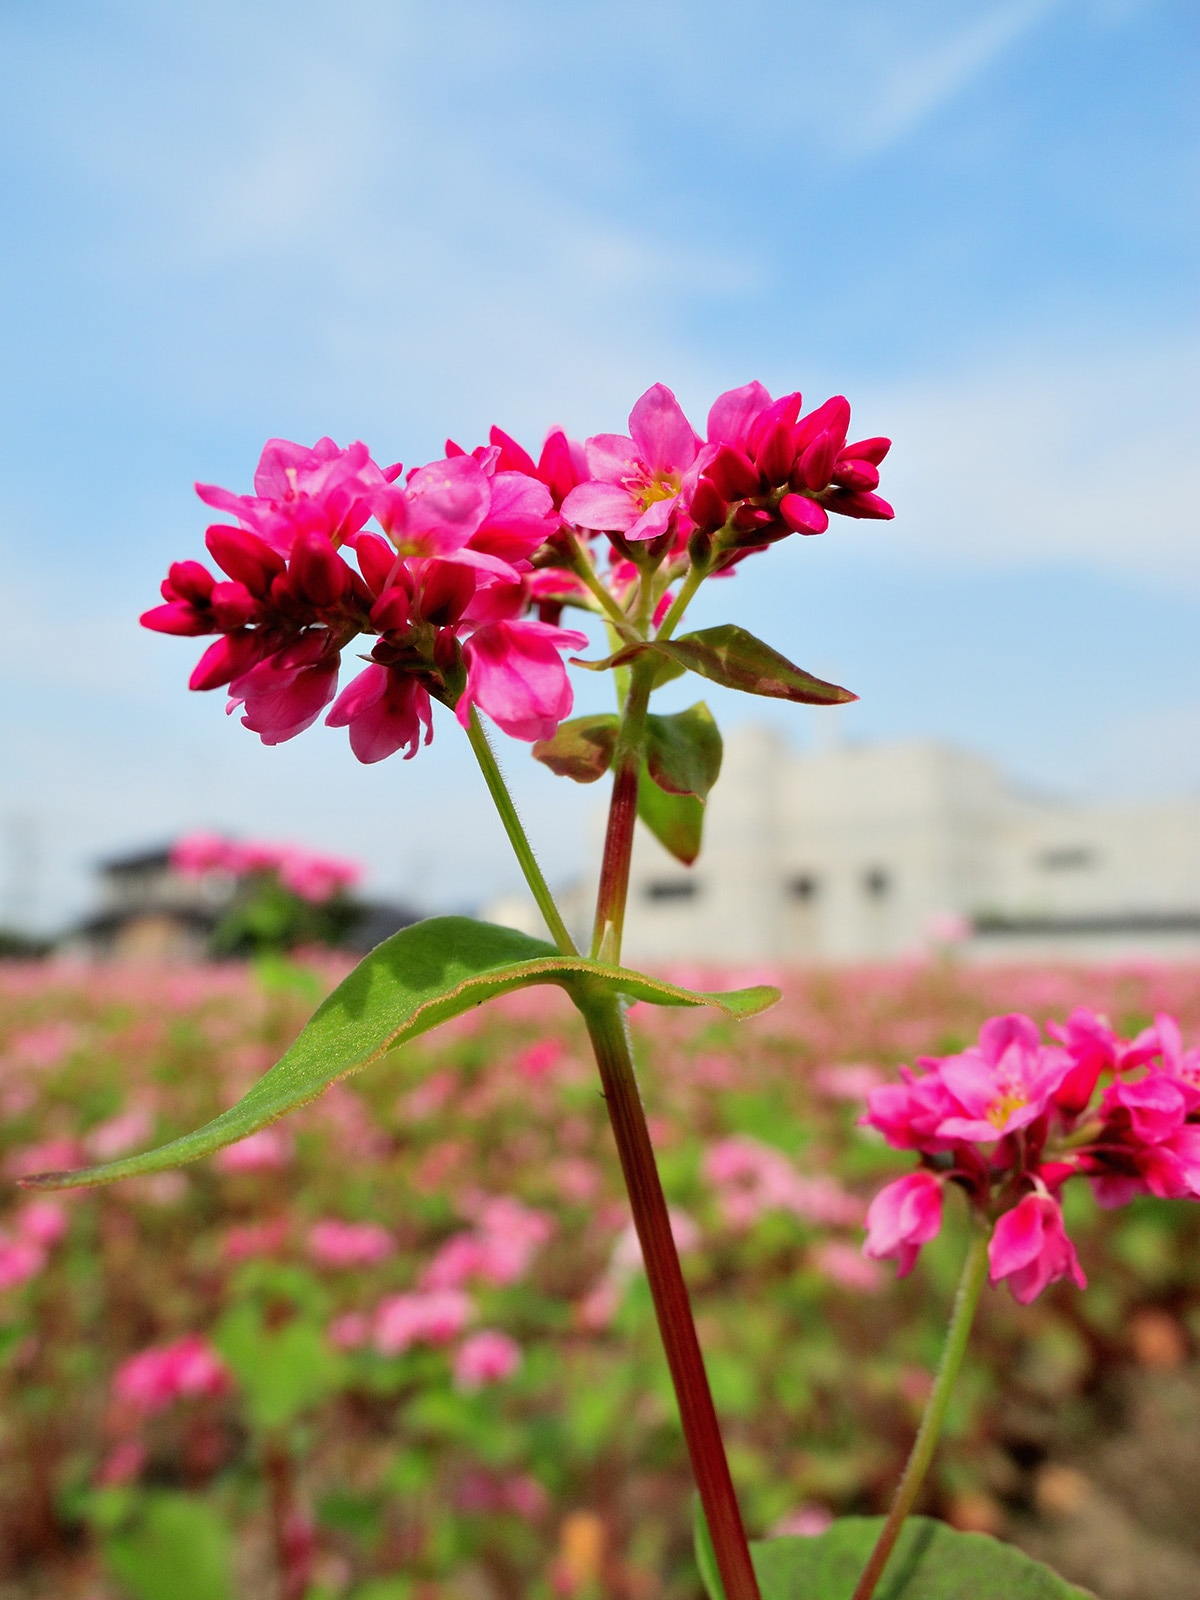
268	1150
902	1217
1031	1249
42	1222
299	489
20	1260
154	1379
385	710
403	1320
1003	1083
485	1358
332	1243
637	478
516	674
316	878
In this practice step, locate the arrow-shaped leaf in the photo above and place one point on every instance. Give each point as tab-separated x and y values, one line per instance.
683	751
581	749
734	658
675	820
424	975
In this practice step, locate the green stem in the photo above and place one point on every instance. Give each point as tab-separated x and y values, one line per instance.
517	837
682	601
583	568
970	1286
628	756
609	1034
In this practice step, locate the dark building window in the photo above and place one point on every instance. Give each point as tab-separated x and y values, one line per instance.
804	886
672	889
876	883
1066	858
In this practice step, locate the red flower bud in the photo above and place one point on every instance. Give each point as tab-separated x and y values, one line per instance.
318	573
229	657
733	474
233	606
816	464
392	612
188	580
750	519
803	515
872	450
177	616
833	416
852	474
708	509
244	556
855	503
776	453
376	558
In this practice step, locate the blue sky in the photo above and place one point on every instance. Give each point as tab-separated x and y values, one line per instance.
976	219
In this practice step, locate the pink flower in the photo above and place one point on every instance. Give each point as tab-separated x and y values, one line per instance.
119	1134
516	674
806	1522
486	1357
350	1331
499	1251
1003	1083
349	1244
287	693
198	854
637	479
751	1178
385	711
1031	1249
245	1241
186	1369
42	1222
300	490
844	1265
56	1155
121	1465
403	1320
538	1060
268	1150
316	878
20	1260
902	1217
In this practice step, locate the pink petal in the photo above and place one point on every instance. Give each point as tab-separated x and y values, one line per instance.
665	438
612	457
732	412
603	506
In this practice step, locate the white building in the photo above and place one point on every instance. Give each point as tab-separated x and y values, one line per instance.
873	852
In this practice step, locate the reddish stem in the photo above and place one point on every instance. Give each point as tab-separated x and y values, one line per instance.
610	1040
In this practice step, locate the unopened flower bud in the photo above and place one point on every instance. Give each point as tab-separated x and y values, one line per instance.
699	548
803	515
872	450
231	656
855	503
816	464
733	474
708	509
447	656
233	606
832	417
376	560
317	571
392	612
244	556
188	580
776	453
751	519
852	474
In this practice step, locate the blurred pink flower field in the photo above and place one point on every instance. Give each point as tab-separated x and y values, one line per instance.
401	1345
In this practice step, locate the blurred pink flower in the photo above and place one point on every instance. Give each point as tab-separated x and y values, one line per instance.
121	1133
45	1046
56	1155
42	1222
20	1260
187	1368
121	1465
350	1331
751	1177
849	1081
903	1216
806	1522
538	1060
245	1241
499	1250
268	1150
486	1357
403	1320
844	1265
349	1244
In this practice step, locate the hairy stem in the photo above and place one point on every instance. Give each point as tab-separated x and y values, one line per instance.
610	1040
622	814
682	601
517	836
970	1286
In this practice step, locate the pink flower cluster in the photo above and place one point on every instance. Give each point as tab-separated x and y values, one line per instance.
750	1178
313	877
24	1252
497	1251
332	1243
452	559
188	1368
1011	1119
434	1318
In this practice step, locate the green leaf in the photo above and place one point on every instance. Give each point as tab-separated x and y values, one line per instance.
281	1371
177	1549
732	657
675	820
735	659
683	752
706	1556
424	975
931	1561
581	749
